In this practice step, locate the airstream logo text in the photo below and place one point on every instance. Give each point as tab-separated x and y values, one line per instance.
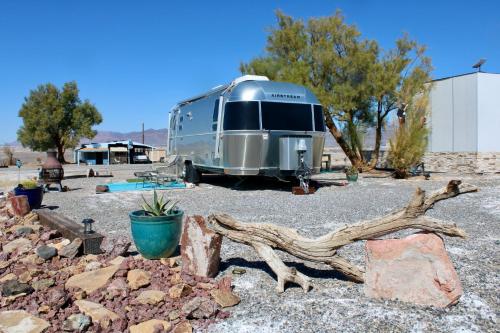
285	96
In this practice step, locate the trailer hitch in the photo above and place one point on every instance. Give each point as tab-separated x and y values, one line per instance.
303	172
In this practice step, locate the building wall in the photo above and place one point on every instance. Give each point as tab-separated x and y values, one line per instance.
465	124
453	115
441	137
156	155
489	112
465	113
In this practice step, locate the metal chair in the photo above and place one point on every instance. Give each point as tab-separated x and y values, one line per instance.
144	176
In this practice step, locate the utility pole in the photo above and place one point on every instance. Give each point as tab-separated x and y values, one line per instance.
142	133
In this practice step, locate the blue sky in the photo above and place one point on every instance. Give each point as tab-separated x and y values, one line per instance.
135	59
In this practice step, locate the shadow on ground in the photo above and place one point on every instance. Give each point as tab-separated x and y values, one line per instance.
311	272
255	183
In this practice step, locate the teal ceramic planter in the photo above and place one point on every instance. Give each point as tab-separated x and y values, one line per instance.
156	236
351	177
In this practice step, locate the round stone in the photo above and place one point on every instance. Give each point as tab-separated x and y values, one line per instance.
77	322
24	231
14	287
46	252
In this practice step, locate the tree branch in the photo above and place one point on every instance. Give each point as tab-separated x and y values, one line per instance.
264	237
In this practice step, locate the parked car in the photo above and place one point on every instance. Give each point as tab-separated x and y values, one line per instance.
141	159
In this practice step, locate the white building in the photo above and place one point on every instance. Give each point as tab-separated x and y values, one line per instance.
465	123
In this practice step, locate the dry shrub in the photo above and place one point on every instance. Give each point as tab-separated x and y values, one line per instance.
409	143
9	153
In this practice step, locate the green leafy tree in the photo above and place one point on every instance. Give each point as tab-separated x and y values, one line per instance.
357	86
409	143
398	76
329	57
54	118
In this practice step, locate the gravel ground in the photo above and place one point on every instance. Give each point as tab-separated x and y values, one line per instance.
333	304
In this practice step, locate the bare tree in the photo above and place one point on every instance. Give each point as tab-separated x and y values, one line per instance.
9	153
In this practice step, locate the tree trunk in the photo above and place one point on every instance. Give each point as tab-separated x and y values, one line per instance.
351	155
266	237
378	141
60	153
356	145
378	135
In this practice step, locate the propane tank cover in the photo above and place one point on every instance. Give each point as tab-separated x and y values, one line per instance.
301	145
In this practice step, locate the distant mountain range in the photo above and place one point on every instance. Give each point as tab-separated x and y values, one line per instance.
153	137
158	137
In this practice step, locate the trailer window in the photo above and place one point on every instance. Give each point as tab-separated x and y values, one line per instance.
241	116
216	111
319	119
215	115
286	116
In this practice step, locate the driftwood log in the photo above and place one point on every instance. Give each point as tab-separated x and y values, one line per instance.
265	237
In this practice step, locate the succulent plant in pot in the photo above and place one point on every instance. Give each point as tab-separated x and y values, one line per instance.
32	190
351	173
156	229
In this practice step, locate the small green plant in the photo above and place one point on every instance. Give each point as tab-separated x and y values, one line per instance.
351	170
29	184
159	207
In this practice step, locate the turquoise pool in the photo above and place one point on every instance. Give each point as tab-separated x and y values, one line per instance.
147	186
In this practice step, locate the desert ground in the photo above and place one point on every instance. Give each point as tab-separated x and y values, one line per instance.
334	303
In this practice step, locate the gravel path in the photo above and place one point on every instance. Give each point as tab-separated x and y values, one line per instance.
333	304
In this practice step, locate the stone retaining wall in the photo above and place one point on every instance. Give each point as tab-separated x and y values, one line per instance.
462	162
457	162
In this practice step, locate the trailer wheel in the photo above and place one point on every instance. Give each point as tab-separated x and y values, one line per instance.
191	174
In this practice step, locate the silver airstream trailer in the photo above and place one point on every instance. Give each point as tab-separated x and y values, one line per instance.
251	126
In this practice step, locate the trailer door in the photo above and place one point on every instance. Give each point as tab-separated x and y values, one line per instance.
216	127
172	132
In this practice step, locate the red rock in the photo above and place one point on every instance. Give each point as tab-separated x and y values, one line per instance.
117	246
4	214
72	249
51	234
180	290
56	298
119	325
118	284
200	248
183	327
199	308
225	298
414	269
18	205
224	284
101	189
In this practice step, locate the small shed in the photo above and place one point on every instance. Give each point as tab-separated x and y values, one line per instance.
114	152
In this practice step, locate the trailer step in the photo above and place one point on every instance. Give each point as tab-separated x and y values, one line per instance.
297	190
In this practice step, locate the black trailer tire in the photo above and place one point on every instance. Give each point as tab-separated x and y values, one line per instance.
191	174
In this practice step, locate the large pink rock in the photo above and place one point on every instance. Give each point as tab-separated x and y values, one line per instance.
200	248
414	269
18	205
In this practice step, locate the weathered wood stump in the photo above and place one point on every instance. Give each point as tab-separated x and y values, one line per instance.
265	237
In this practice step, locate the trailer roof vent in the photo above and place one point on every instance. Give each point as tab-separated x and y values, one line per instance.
249	78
